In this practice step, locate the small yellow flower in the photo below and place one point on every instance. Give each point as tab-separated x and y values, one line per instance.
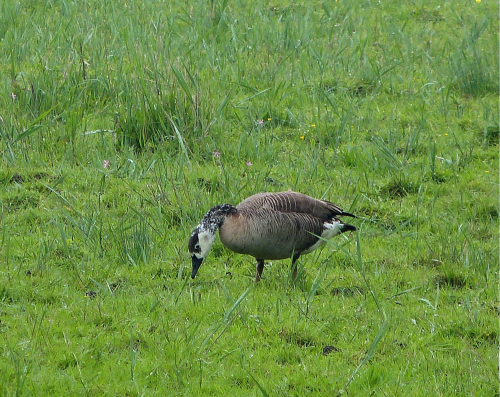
478	1
302	137
486	171
313	125
269	119
445	134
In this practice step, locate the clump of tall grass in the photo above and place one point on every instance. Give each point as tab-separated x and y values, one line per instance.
474	75
475	71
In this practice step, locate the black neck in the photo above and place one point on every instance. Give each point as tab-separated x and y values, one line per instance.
214	218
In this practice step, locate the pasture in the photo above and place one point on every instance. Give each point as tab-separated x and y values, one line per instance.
122	123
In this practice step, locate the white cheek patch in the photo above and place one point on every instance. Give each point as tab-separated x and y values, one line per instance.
331	229
206	240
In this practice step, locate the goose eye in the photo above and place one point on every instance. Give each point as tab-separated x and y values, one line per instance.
197	247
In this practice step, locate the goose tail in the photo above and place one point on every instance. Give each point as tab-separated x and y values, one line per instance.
348	228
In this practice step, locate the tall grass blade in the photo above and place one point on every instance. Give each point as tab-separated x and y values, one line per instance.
263	391
64	237
363	273
251	97
182	82
225	320
237	303
133	354
186	280
371	350
315	285
33	127
180	139
223	104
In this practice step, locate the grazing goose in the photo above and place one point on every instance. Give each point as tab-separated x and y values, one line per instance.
268	226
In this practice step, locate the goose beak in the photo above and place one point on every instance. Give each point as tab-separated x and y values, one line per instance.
196	265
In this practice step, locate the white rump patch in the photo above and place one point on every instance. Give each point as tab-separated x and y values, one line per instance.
206	239
332	228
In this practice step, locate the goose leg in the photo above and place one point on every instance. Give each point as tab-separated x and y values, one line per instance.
260	268
294	265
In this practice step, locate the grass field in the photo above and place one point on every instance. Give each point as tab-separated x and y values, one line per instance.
122	123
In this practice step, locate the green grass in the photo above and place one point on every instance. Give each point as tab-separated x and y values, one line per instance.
388	109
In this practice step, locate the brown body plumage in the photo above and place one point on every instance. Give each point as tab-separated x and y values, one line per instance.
269	226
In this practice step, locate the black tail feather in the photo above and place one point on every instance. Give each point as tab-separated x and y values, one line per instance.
347	228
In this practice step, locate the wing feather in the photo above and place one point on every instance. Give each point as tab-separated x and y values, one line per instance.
292	202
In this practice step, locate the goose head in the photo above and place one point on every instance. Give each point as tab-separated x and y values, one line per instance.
203	236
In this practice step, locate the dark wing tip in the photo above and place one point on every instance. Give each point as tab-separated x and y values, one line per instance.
336	210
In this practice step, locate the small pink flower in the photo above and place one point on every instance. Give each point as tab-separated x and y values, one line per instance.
216	153
105	164
249	164
13	96
260	122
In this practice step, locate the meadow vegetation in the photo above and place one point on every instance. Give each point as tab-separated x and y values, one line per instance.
122	123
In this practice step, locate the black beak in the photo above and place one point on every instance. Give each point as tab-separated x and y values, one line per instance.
196	265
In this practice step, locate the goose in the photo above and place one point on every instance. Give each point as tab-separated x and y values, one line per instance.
268	226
